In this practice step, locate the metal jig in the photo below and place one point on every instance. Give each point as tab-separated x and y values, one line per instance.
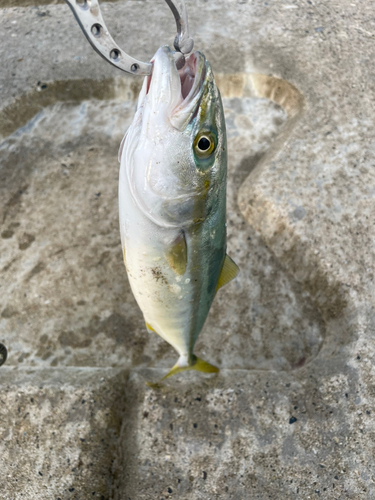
90	19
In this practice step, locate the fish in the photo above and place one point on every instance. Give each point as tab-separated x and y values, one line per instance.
172	202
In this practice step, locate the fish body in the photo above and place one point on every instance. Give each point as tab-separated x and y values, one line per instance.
172	201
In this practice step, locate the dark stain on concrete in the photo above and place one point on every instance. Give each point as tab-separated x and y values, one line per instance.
163	350
28	105
46	355
243	170
71	339
328	297
115	327
9	265
35	270
26	240
23	356
54	362
104	258
15	199
8	312
8	233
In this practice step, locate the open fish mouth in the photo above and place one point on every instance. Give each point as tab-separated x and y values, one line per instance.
192	76
175	92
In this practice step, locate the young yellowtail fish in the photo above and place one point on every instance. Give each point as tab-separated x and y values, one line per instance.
172	202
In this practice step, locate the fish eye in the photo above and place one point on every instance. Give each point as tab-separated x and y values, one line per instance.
204	144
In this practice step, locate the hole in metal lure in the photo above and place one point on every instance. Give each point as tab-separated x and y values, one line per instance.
90	19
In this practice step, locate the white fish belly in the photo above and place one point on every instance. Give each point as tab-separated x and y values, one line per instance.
165	298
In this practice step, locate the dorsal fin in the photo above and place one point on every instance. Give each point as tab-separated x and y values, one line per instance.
228	272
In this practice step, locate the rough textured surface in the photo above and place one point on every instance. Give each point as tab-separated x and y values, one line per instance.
58	432
291	413
244	435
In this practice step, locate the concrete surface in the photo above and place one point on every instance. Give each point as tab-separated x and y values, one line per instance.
291	413
59	429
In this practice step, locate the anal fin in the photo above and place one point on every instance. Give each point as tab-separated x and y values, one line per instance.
149	327
228	272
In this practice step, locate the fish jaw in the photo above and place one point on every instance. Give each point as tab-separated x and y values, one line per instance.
163	86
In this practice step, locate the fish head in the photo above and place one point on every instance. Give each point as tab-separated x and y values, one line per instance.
174	153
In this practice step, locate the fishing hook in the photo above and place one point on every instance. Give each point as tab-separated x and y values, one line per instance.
90	19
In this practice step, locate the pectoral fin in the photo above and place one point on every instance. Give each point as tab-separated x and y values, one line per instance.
177	254
228	272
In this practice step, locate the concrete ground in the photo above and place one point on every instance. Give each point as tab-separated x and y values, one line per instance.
291	414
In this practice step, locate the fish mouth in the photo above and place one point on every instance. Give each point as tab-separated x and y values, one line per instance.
177	91
192	76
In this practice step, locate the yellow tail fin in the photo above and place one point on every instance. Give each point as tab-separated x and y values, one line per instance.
198	364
